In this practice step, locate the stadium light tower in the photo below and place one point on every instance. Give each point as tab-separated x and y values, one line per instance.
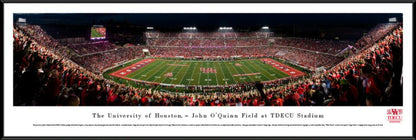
149	28
225	28
393	20
21	21
265	27
190	28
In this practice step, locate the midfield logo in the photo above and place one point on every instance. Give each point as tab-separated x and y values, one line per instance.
208	70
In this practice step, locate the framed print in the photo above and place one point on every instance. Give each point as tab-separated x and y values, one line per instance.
208	70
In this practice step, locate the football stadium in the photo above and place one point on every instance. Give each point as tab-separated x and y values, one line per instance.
208	60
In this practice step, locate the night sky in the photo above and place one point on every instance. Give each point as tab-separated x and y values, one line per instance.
209	20
132	26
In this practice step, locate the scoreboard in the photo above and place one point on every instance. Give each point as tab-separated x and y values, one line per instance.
98	32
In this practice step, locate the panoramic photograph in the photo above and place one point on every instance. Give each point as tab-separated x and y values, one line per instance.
207	59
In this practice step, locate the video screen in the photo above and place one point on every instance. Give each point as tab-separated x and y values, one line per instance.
98	33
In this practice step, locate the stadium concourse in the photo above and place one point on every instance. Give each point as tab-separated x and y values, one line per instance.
52	74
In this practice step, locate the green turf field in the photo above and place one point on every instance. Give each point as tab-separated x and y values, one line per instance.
184	72
95	33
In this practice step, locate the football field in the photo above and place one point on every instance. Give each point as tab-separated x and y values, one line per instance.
187	72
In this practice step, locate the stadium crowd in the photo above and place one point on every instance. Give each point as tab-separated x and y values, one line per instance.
190	52
305	58
220	34
45	76
97	62
40	36
91	47
326	46
375	34
89	55
207	42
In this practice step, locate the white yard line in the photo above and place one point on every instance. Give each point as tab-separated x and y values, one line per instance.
160	68
199	78
184	74
142	68
216	76
192	74
208	76
168	77
273	78
225	65
260	69
224	74
242	73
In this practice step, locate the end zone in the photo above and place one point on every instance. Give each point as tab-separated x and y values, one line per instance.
122	73
282	67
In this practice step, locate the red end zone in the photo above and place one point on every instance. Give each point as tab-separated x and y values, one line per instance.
284	68
132	68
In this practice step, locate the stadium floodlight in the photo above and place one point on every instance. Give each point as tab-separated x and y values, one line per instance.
189	28
265	27
21	20
393	19
226	28
149	28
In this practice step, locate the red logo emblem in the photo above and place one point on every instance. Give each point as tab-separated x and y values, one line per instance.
394	115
